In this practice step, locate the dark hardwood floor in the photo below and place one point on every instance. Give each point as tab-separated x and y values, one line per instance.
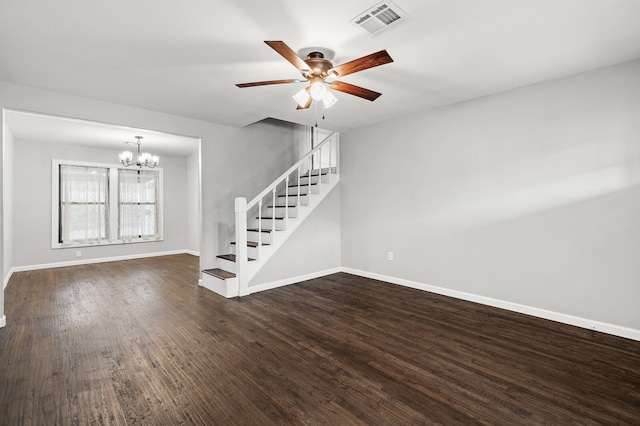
138	342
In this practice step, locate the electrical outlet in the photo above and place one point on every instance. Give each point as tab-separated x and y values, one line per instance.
390	255
78	253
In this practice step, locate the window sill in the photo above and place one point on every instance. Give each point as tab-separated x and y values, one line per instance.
107	243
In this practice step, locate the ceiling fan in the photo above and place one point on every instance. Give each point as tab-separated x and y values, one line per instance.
316	69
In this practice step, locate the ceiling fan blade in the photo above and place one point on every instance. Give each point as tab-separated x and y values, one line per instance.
265	83
361	92
366	62
288	54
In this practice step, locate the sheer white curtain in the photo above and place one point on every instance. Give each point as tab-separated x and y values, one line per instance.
84	204
137	204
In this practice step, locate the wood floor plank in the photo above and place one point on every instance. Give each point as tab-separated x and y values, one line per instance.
138	342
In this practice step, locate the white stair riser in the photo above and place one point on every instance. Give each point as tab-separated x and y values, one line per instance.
280	211
267	237
293	200
325	170
303	190
252	252
227	265
305	180
268	223
226	288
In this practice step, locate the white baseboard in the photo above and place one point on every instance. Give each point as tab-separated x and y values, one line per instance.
3	321
603	327
89	261
293	280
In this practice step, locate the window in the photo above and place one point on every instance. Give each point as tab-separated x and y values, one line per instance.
84	204
97	204
137	204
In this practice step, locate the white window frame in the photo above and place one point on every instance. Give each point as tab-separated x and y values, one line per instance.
113	205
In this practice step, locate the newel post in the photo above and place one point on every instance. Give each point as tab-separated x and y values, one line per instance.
242	272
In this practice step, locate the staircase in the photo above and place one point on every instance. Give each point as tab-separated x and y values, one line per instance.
266	222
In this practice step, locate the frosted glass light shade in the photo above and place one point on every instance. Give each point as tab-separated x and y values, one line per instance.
318	91
302	97
144	158
126	157
329	99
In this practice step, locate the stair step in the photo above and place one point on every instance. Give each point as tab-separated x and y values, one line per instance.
232	257
281	211
219	273
269	218
292	200
262	230
302	185
250	243
324	173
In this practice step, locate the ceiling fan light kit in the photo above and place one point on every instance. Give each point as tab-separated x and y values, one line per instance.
317	69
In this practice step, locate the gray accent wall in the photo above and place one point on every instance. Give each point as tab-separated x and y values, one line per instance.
530	196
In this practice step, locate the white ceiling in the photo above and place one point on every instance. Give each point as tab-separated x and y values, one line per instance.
47	128
184	57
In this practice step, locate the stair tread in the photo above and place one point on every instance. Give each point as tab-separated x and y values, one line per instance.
270	218
256	230
231	257
293	195
281	207
219	273
251	243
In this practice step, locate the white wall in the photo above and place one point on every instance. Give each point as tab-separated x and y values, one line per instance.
193	203
32	205
530	196
8	193
6	233
312	249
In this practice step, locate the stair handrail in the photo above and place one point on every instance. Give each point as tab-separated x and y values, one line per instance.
242	207
291	170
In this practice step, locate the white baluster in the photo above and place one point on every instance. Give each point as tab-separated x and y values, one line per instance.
329	171
286	203
260	223
273	215
309	178
319	169
298	186
336	137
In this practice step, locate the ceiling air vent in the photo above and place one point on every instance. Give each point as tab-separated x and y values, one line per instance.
380	18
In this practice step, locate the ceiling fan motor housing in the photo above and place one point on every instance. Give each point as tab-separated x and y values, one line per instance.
318	66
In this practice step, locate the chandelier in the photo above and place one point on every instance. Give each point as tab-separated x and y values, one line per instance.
143	159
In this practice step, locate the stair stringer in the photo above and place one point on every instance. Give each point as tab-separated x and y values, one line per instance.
280	237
